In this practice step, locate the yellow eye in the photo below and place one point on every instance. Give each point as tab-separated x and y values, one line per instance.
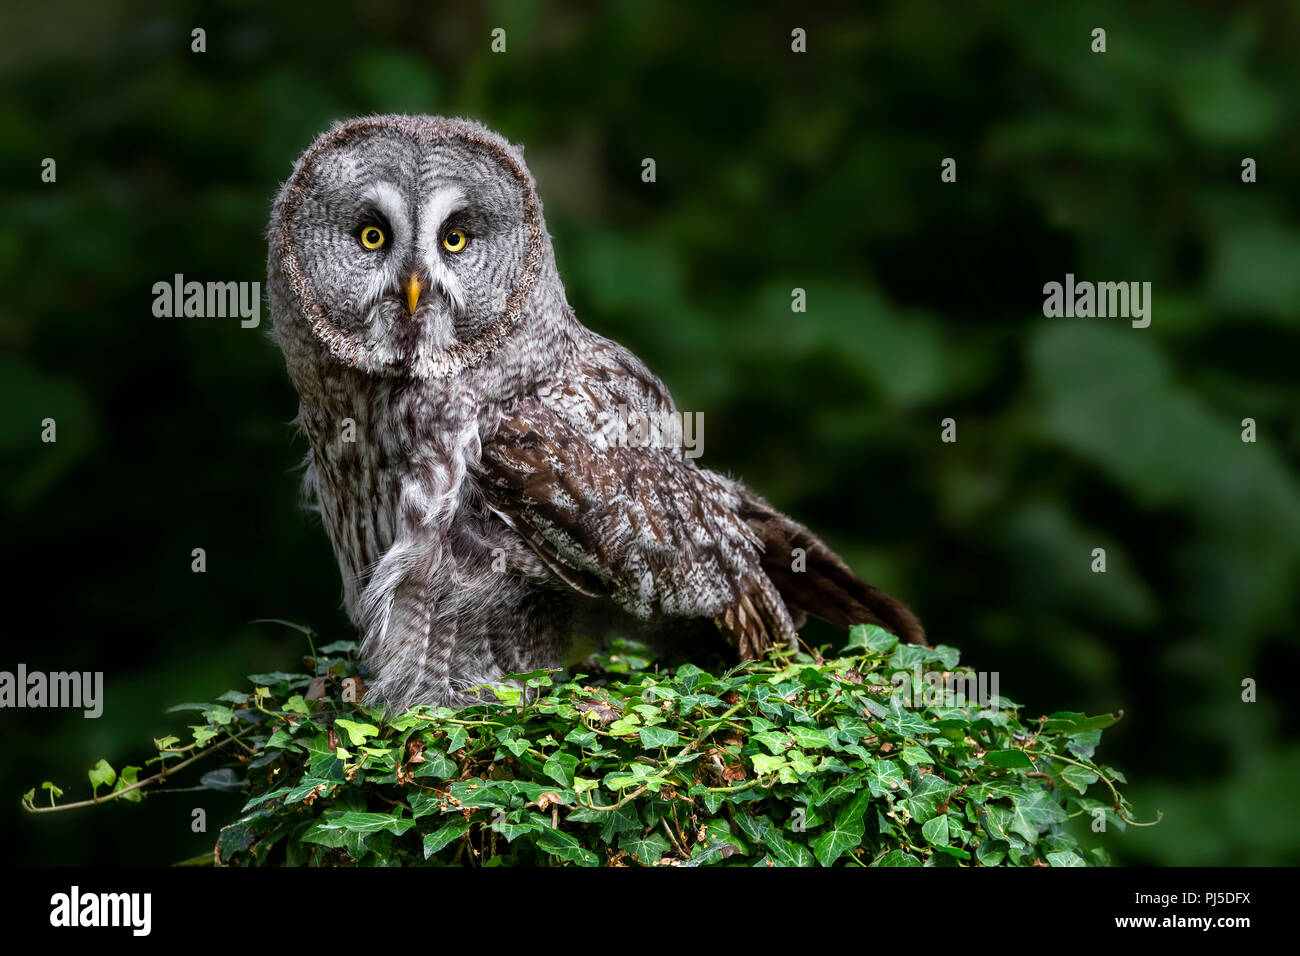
454	240
372	237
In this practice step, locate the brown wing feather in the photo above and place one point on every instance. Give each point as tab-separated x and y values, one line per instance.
826	587
650	530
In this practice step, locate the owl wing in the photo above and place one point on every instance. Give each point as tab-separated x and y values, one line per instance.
660	536
642	526
819	582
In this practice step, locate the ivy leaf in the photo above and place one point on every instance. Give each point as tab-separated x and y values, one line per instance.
1031	810
517	746
764	765
646	850
520	822
810	738
991	852
560	768
435	841
129	778
438	766
1072	722
1079	778
363	822
357	733
1065	858
102	775
625	725
897	858
871	638
884	777
775	741
457	737
1011	759
652	738
810	750
935	831
904	723
913	755
927	794
564	846
845	833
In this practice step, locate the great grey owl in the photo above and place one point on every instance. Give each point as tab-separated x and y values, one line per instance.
471	446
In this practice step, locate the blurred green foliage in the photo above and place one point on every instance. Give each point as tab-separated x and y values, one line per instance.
775	171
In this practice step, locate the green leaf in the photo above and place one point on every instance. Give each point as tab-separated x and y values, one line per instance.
1012	759
870	638
831	771
648	849
1072	722
517	746
1031	810
897	858
652	738
102	775
448	832
928	794
564	846
129	778
560	767
913	755
884	777
935	831
358	733
1065	858
991	852
436	766
1079	778
327	830
625	725
765	765
811	738
845	833
904	723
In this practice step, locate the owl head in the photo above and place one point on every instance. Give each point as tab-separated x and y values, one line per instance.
407	245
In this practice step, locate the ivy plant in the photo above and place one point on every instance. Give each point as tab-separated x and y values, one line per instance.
866	759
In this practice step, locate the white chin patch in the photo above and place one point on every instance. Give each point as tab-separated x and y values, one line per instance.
439	331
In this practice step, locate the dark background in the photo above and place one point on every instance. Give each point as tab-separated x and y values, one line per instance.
775	170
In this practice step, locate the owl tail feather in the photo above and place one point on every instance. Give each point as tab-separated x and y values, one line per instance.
823	585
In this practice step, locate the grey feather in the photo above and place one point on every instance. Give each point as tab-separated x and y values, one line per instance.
461	457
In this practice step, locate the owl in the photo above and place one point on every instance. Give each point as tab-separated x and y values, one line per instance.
474	449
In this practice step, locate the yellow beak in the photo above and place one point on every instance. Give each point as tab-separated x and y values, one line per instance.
413	289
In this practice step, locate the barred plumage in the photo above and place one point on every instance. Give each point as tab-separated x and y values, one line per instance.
458	416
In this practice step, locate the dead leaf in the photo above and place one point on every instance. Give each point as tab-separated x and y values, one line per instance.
733	773
603	710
